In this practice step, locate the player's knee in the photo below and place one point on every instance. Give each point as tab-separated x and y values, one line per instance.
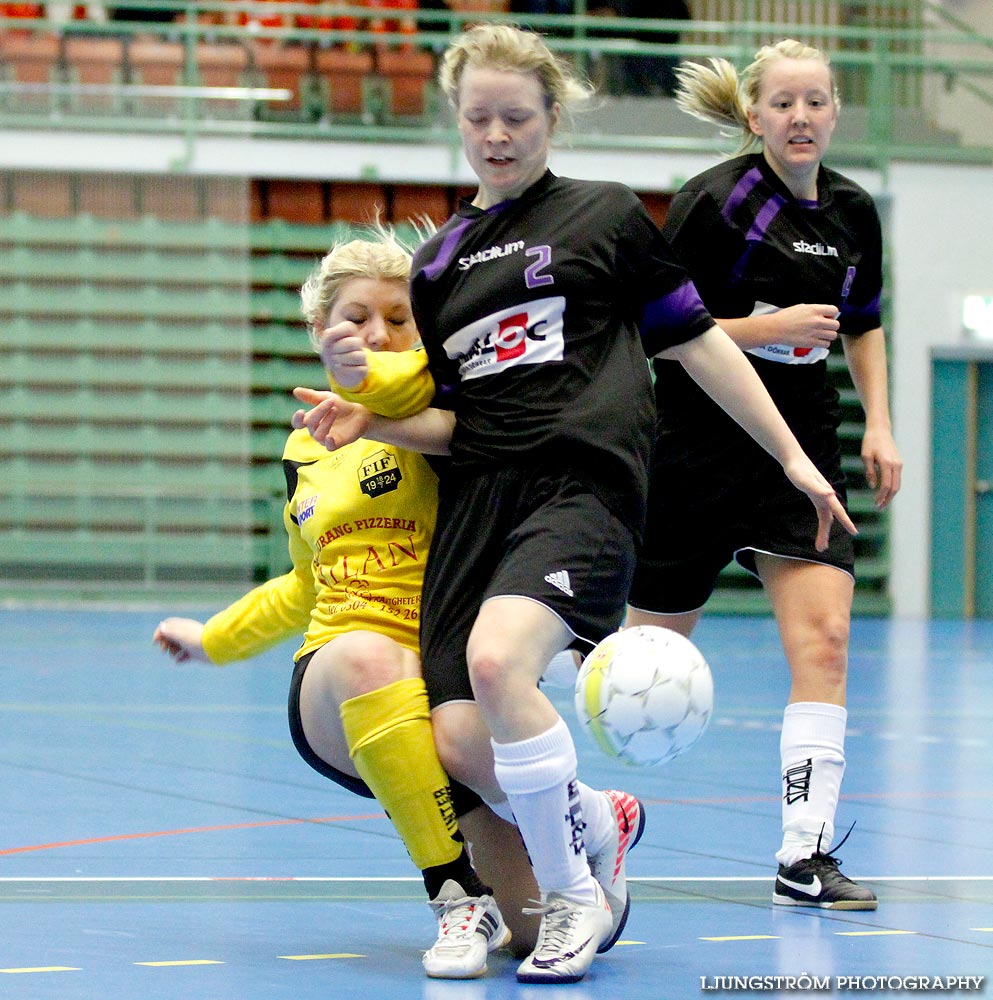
453	750
359	662
827	647
464	752
488	673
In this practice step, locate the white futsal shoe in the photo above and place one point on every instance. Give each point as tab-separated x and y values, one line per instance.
469	928
569	937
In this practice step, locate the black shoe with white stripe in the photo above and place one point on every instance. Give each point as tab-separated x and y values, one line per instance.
817	881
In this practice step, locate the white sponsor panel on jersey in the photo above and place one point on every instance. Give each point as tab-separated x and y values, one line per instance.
525	334
783	353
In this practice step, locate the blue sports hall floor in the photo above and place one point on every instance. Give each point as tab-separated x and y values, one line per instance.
161	840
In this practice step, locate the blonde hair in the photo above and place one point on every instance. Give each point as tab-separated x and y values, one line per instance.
382	257
505	47
717	94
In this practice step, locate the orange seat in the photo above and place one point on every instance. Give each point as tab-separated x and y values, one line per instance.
342	75
153	62
412	201
407	74
404	25
47	194
29	58
285	67
357	202
221	64
295	200
99	62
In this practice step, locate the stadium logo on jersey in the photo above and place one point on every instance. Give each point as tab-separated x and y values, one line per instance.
379	473
491	254
526	334
306	508
817	249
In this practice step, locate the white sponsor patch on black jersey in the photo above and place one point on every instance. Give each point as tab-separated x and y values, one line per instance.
784	353
526	334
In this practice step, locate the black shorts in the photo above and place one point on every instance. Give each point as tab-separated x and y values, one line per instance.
688	541
521	532
353	784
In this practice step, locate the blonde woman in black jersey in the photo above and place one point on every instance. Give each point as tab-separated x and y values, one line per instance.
538	302
787	254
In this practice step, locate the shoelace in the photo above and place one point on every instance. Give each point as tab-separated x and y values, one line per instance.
459	920
830	859
556	925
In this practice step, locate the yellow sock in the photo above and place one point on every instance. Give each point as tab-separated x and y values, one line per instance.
391	742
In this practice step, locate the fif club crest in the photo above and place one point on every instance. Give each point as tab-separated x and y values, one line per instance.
379	473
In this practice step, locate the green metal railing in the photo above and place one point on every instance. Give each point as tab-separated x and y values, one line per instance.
885	67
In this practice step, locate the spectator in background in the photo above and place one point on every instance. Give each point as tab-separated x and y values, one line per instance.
543	8
644	76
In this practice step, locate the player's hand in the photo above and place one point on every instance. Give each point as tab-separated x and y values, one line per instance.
807	325
182	639
806	478
331	420
883	465
343	352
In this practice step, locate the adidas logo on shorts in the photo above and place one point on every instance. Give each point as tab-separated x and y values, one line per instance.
560	579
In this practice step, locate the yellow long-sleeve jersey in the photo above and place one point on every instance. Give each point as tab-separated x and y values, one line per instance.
359	522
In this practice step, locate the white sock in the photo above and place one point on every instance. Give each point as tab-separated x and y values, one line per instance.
538	776
600	819
812	751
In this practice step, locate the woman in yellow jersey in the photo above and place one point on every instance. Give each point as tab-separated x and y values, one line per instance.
360	522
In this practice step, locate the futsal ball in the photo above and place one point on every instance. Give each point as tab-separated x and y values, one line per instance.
644	695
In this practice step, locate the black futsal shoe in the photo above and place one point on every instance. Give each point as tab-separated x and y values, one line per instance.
817	881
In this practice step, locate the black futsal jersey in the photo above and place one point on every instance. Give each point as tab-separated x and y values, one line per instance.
537	315
751	247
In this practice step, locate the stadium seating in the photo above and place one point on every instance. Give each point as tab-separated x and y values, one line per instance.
146	368
99	63
29	58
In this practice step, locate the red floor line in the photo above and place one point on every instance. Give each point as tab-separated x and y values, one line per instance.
192	829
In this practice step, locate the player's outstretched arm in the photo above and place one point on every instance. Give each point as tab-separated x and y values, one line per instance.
335	422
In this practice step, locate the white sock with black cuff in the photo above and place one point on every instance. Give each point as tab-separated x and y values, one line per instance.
812	752
538	776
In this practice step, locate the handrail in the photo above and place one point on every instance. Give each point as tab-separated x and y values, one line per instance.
953	21
886	62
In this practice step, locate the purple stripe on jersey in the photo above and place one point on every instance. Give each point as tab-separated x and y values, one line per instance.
756	233
740	193
446	250
764	218
679	308
869	309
